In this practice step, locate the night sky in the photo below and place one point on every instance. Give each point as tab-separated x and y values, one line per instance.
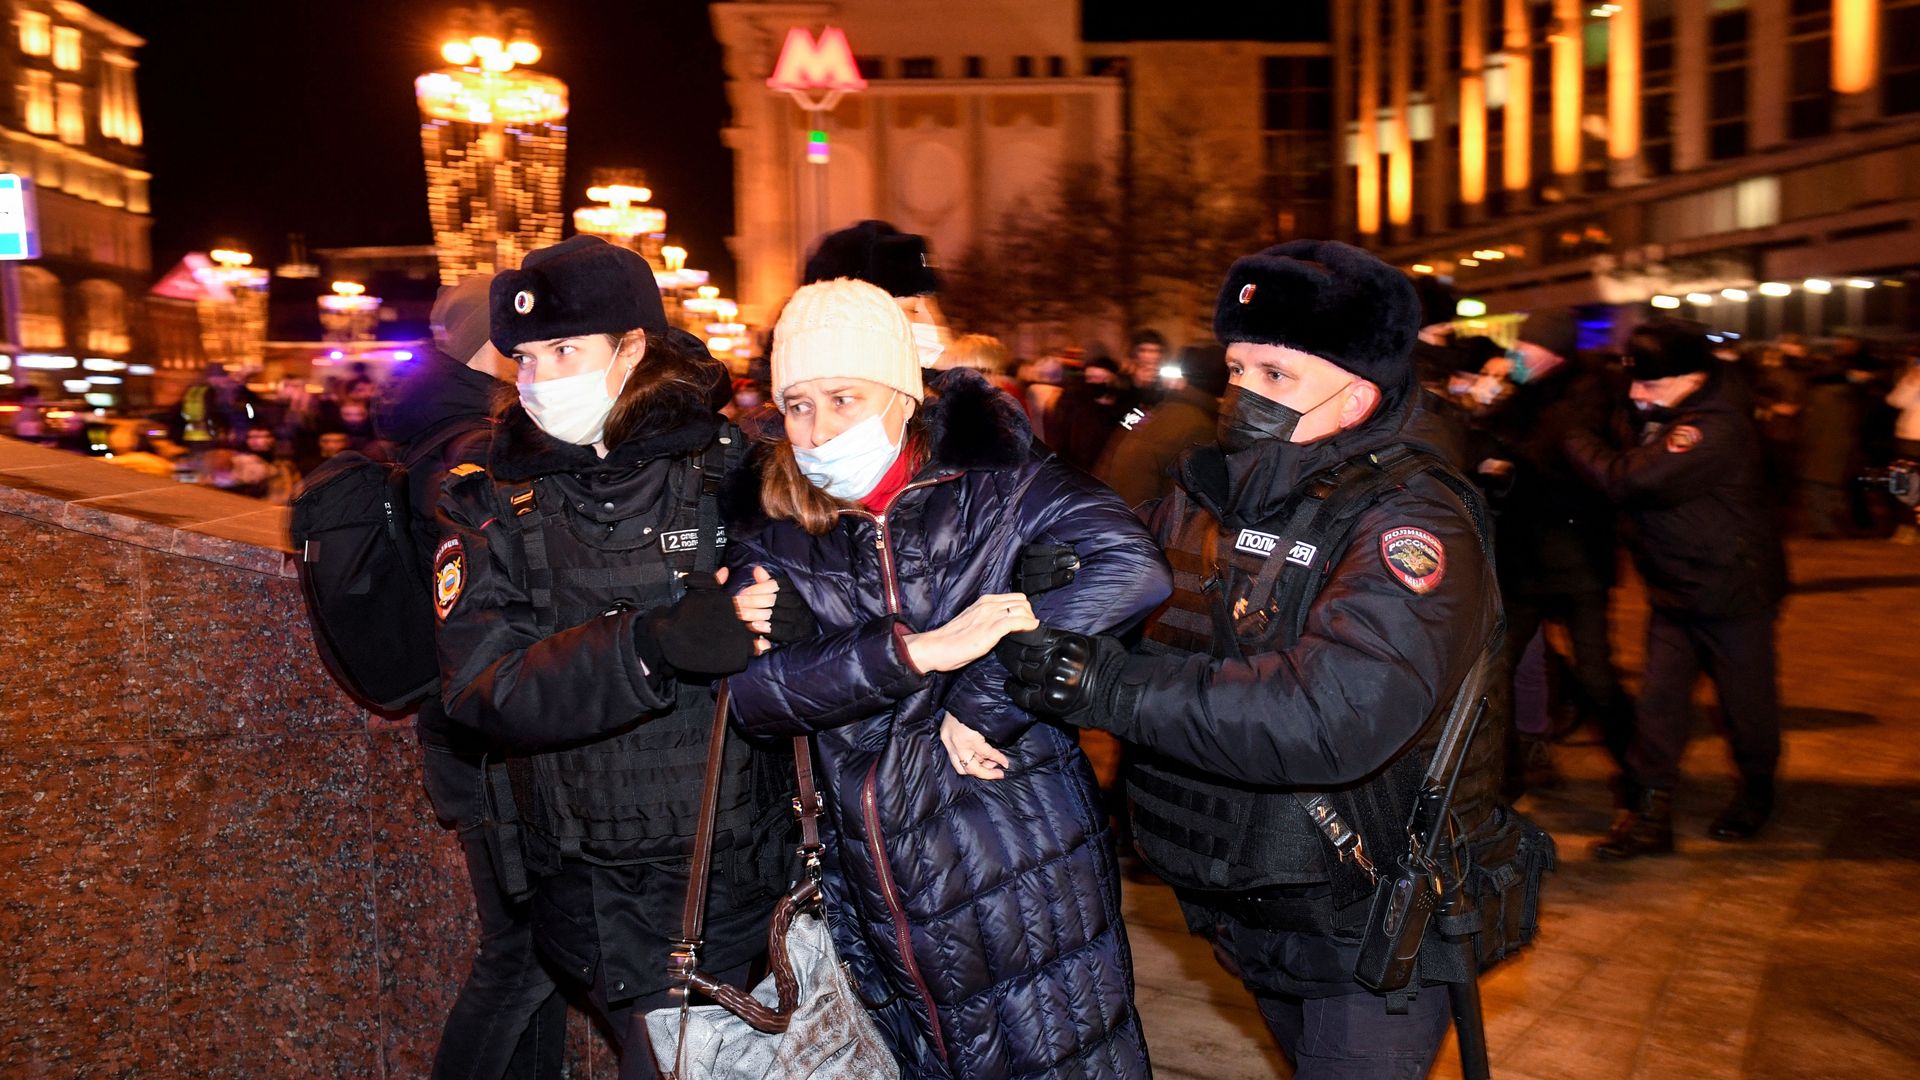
268	119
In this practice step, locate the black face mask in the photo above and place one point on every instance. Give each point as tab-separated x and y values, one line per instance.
1247	418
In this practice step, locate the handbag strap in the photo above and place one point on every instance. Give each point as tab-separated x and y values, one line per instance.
693	918
684	964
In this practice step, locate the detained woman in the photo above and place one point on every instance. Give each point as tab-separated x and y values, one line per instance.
970	880
582	621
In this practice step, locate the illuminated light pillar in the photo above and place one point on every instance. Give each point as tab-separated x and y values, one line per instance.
1473	107
816	73
1566	44
1517	166
1623	93
495	143
1399	132
1856	59
1367	187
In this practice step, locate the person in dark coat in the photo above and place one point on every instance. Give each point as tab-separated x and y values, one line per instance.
970	879
582	621
1139	463
509	1019
1555	535
1302	660
1706	545
1087	416
1829	449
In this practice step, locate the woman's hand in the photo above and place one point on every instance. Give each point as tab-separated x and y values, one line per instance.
778	616
972	634
970	752
754	604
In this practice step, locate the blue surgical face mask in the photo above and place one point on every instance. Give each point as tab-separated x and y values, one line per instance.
850	464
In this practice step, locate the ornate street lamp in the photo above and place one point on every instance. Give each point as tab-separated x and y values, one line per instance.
495	143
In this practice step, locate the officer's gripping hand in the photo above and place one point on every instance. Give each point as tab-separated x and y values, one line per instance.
700	634
1043	567
1067	676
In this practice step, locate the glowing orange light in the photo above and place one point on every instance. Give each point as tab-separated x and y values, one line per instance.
1856	45
1518	138
1566	47
1473	104
1623	81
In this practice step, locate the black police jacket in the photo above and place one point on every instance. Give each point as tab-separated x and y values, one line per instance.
609	753
1696	493
1385	644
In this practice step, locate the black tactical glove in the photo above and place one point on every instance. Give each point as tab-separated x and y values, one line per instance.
792	620
698	635
1067	676
1043	567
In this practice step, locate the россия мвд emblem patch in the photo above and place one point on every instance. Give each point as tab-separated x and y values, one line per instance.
1415	556
449	576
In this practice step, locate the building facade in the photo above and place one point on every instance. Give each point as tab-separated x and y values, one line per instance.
72	126
960	120
1755	163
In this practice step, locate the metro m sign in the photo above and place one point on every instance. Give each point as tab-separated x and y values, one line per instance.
807	64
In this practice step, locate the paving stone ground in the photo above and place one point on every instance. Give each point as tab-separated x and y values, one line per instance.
1794	957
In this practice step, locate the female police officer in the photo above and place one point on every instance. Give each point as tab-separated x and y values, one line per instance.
581	620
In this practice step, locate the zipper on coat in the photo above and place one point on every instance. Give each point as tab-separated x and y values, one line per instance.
869	789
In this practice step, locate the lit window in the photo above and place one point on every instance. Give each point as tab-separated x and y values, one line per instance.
66	48
43	323
73	114
38	102
36	33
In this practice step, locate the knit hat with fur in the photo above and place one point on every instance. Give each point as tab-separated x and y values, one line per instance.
847	329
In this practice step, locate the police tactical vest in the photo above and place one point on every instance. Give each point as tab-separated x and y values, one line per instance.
1269	854
633	796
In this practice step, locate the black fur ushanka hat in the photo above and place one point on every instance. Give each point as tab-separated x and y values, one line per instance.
1326	298
877	253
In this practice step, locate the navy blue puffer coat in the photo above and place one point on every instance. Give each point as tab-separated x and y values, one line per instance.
981	918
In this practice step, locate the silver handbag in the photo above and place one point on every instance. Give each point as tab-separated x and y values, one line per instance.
804	1021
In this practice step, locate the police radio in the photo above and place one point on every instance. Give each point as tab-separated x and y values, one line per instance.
1410	892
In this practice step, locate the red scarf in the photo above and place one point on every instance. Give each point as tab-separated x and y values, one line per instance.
898	476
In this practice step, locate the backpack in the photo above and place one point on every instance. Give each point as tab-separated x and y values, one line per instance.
363	578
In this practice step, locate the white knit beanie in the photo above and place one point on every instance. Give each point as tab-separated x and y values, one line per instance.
848	329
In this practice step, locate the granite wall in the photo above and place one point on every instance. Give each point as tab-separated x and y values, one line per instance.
212	864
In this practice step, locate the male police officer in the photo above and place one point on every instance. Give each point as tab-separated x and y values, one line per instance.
1705	543
1332	592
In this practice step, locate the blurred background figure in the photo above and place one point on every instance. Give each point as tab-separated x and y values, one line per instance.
986	355
1139	463
1088	413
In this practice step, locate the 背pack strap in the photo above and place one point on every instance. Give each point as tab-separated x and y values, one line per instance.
522	511
684	964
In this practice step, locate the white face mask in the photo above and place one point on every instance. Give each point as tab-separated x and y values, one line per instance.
850	464
930	341
573	409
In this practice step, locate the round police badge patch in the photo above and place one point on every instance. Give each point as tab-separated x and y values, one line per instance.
1682	439
449	576
1415	556
523	301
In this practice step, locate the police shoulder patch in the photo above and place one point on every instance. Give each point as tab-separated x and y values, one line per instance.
1682	438
449	576
466	469
1414	556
